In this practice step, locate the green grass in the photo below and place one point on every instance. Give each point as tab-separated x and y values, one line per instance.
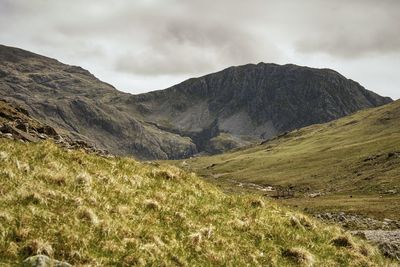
358	154
89	210
369	205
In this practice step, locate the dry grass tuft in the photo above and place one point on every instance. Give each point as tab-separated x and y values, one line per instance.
180	215
196	238
343	241
130	243
171	173
20	234
89	216
123	210
240	224
207	232
366	250
165	174
130	260
6	217
58	180
37	247
151	249
21	166
257	203
204	233
151	204
112	247
300	256
3	156
12	249
178	261
32	198
136	181
83	179
301	221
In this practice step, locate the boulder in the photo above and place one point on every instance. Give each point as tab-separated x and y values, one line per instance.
18	134
43	261
23	126
47	130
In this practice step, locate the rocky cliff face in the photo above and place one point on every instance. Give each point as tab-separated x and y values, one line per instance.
252	102
213	113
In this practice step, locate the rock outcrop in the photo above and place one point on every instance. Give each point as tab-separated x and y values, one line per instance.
43	261
17	124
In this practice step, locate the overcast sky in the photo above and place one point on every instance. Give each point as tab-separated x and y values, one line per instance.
145	45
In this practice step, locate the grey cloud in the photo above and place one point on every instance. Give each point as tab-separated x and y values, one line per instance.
180	38
353	29
184	46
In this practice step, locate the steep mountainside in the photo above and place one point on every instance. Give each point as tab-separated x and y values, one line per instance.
253	101
211	114
74	101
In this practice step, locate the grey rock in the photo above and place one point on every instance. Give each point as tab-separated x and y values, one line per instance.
358	222
7	135
43	261
23	127
47	130
387	241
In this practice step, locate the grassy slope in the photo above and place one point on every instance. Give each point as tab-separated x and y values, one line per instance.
355	154
91	210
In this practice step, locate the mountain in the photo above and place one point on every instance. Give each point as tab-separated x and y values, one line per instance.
211	114
350	164
253	102
87	210
77	103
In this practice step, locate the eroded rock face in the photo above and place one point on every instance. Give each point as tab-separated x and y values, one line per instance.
230	108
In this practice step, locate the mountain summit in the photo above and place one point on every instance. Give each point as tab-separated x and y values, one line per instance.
253	102
211	114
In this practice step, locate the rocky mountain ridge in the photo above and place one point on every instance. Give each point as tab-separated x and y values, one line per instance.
220	111
76	103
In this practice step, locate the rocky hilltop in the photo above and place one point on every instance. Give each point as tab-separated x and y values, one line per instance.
210	114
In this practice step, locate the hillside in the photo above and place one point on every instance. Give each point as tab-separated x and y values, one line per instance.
231	108
76	103
355	156
89	210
